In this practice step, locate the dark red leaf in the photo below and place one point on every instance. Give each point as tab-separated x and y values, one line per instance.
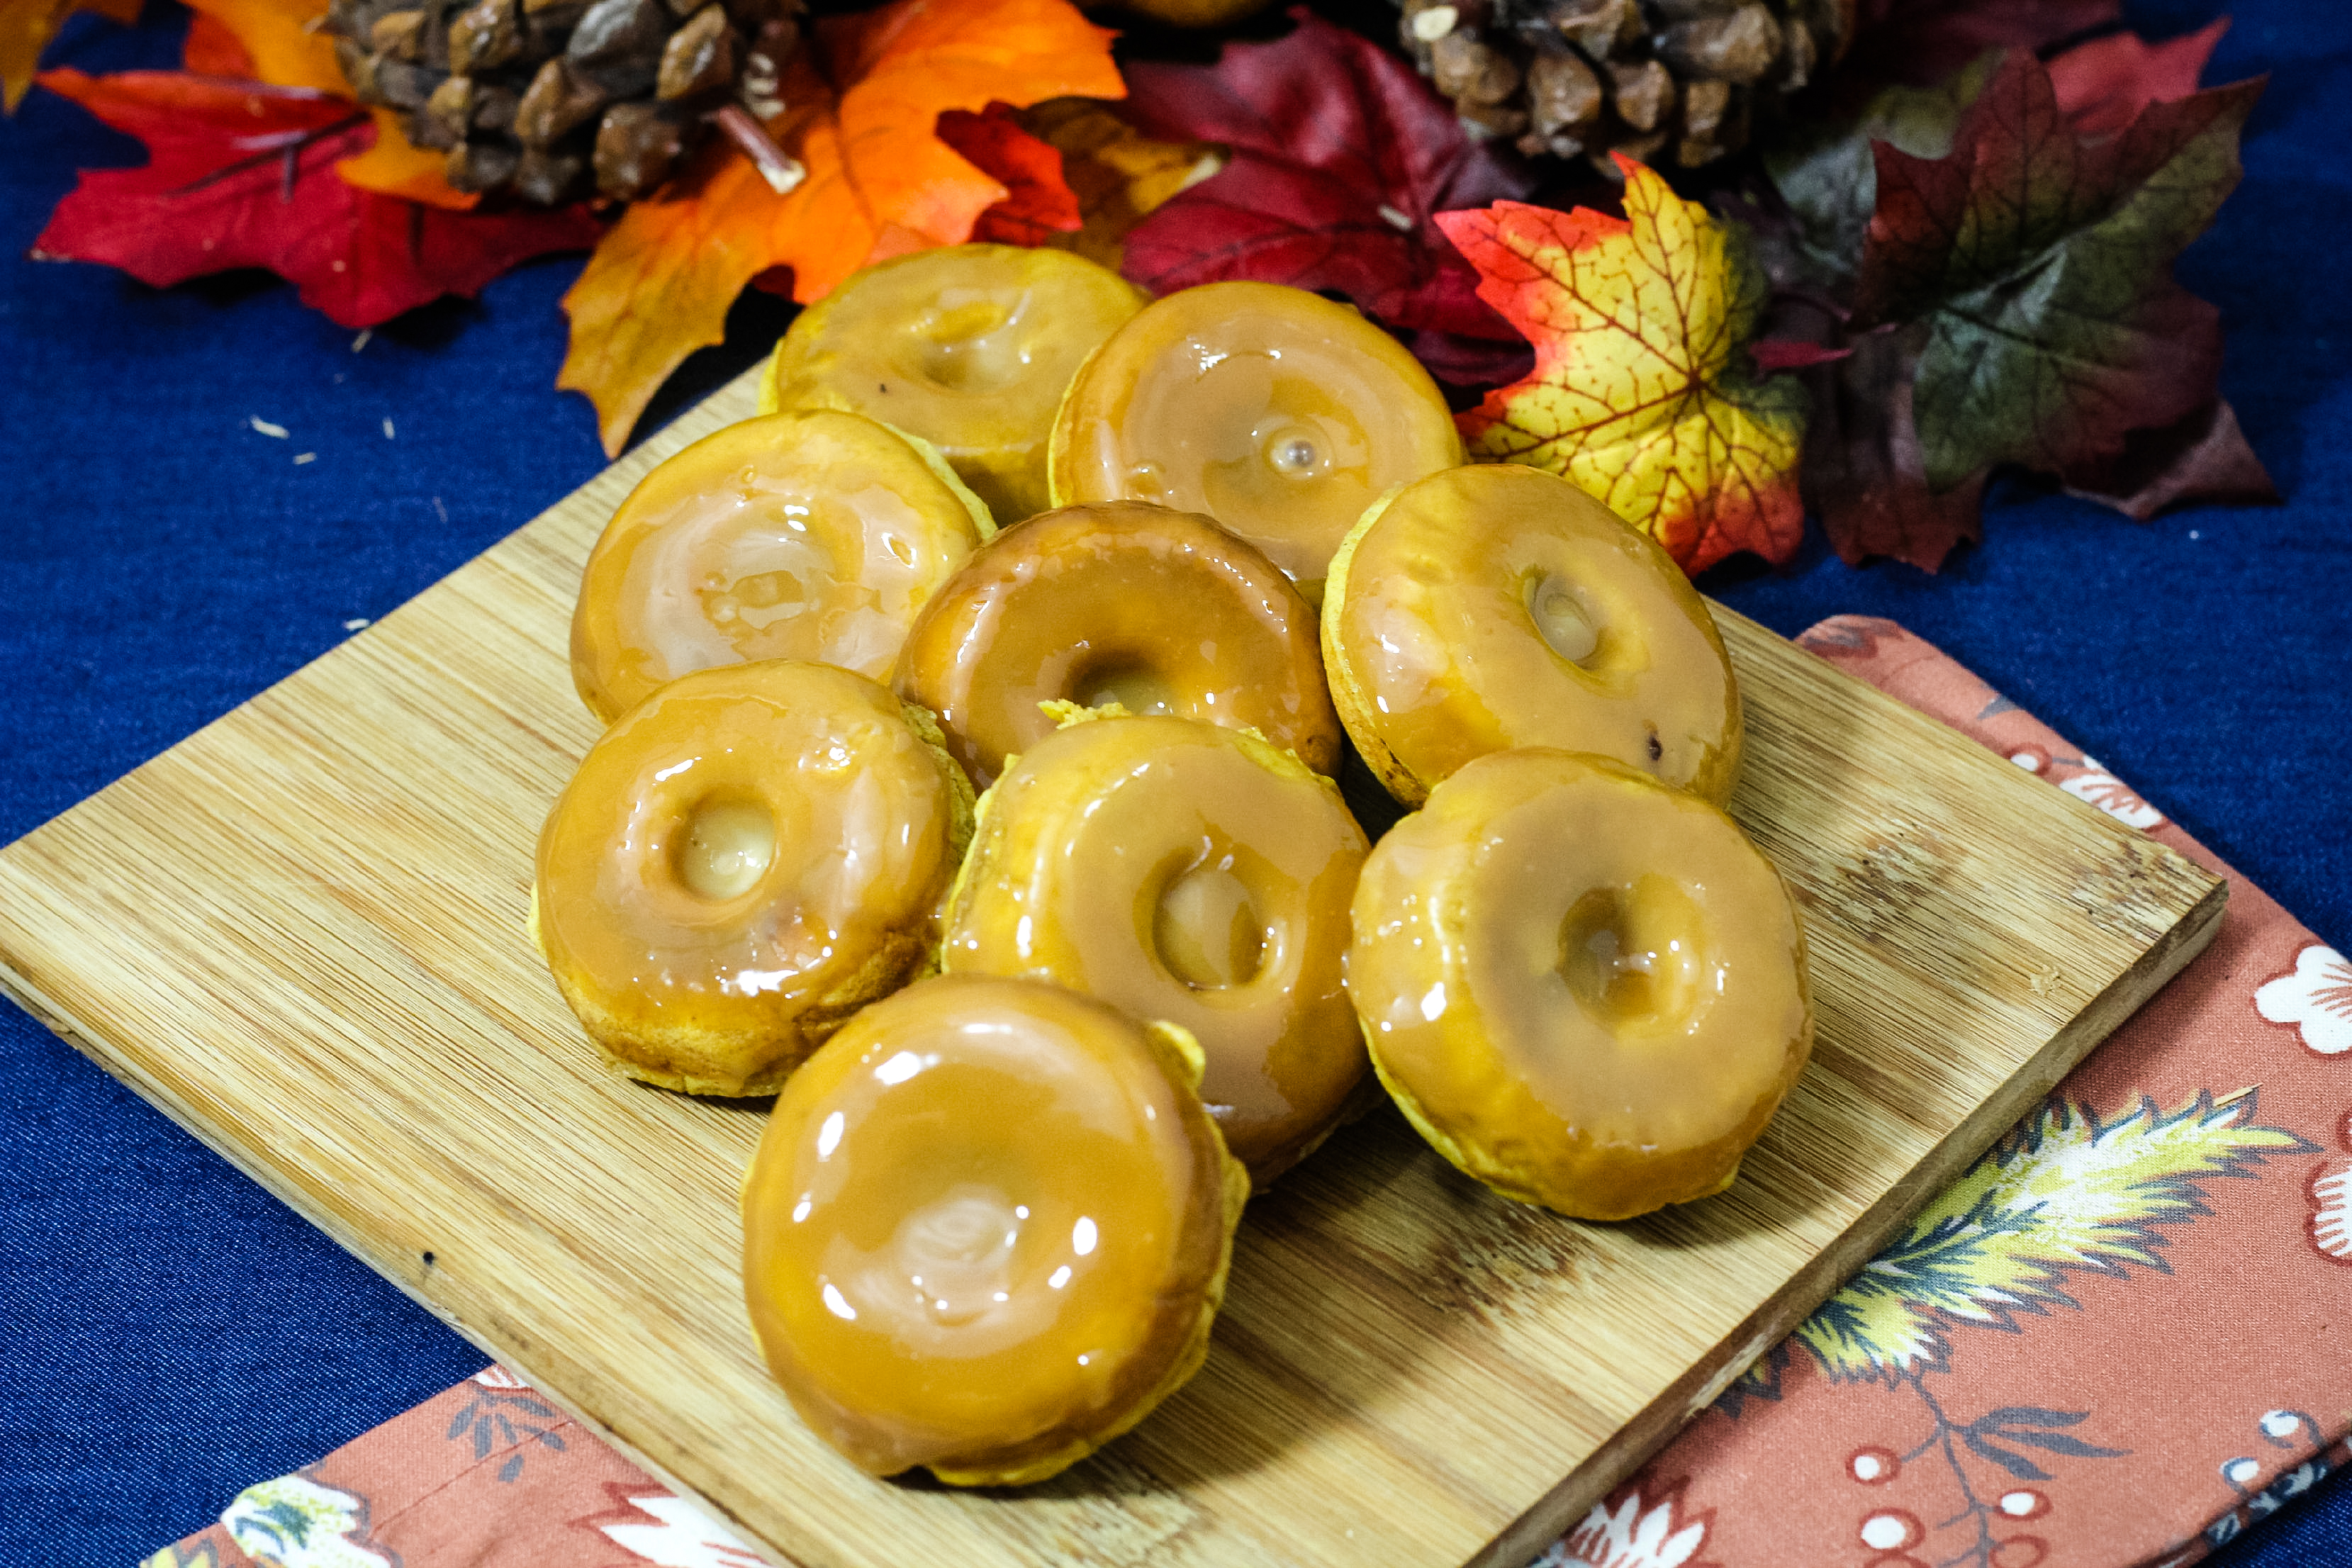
2103	85
1920	42
1773	355
1863	472
2043	265
1341	155
2204	458
1038	201
241	174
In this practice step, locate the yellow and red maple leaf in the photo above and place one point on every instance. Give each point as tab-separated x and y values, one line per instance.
863	121
1643	391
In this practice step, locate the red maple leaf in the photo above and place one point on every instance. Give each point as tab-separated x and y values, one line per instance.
2102	86
242	174
1038	201
1341	158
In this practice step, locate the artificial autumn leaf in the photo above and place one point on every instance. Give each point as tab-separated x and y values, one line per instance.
2103	85
1038	203
1341	157
1919	43
241	174
2043	265
2204	458
211	49
1119	175
1644	392
27	26
862	121
1864	473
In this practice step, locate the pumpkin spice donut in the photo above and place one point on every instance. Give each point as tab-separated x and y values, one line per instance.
969	346
1273	410
810	535
1495	606
742	861
987	1230
1159	610
1585	989
1183	871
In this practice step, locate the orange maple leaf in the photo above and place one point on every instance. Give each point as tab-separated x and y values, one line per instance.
282	39
27	26
1644	392
865	99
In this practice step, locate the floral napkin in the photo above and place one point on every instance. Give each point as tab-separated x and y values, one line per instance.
2115	1342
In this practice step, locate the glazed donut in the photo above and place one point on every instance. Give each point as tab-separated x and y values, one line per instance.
1159	610
1183	871
810	536
987	1230
1494	606
1273	410
969	346
1587	990
744	860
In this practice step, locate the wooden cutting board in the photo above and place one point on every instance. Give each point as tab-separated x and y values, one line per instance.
301	933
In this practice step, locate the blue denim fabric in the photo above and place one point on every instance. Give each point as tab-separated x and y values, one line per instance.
169	1332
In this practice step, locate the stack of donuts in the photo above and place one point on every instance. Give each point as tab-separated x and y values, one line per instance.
975	717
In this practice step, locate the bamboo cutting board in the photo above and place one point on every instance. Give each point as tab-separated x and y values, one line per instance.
301	933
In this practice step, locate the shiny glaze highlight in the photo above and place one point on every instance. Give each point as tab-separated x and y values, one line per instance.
1494	606
1185	872
1587	990
811	536
1160	611
986	1230
1273	410
740	861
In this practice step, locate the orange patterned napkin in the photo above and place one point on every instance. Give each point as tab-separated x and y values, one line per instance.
2115	1342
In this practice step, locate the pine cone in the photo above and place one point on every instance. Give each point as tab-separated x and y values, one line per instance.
548	99
1571	78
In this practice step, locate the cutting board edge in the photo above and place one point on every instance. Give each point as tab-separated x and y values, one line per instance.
1639	1439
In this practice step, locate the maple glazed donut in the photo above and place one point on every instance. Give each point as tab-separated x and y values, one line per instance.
987	1230
1183	871
742	860
1585	989
1494	606
1159	610
1273	410
969	346
808	535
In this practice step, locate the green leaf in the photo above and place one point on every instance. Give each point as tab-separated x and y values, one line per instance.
2063	1192
2042	263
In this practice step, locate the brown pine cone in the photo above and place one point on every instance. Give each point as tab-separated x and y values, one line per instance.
552	99
1651	79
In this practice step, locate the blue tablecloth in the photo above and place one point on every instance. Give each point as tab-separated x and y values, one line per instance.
171	1333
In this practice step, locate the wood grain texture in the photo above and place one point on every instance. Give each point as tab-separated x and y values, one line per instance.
299	934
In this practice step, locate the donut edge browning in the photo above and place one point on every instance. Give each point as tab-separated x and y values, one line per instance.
1348	694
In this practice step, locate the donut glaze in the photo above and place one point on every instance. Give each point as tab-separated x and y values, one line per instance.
742	860
1273	410
811	535
969	346
1587	990
1494	606
1181	871
1160	611
987	1230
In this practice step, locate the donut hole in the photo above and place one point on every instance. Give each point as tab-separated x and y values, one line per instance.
1130	684
1633	954
1295	450
724	846
1565	620
1206	927
965	347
